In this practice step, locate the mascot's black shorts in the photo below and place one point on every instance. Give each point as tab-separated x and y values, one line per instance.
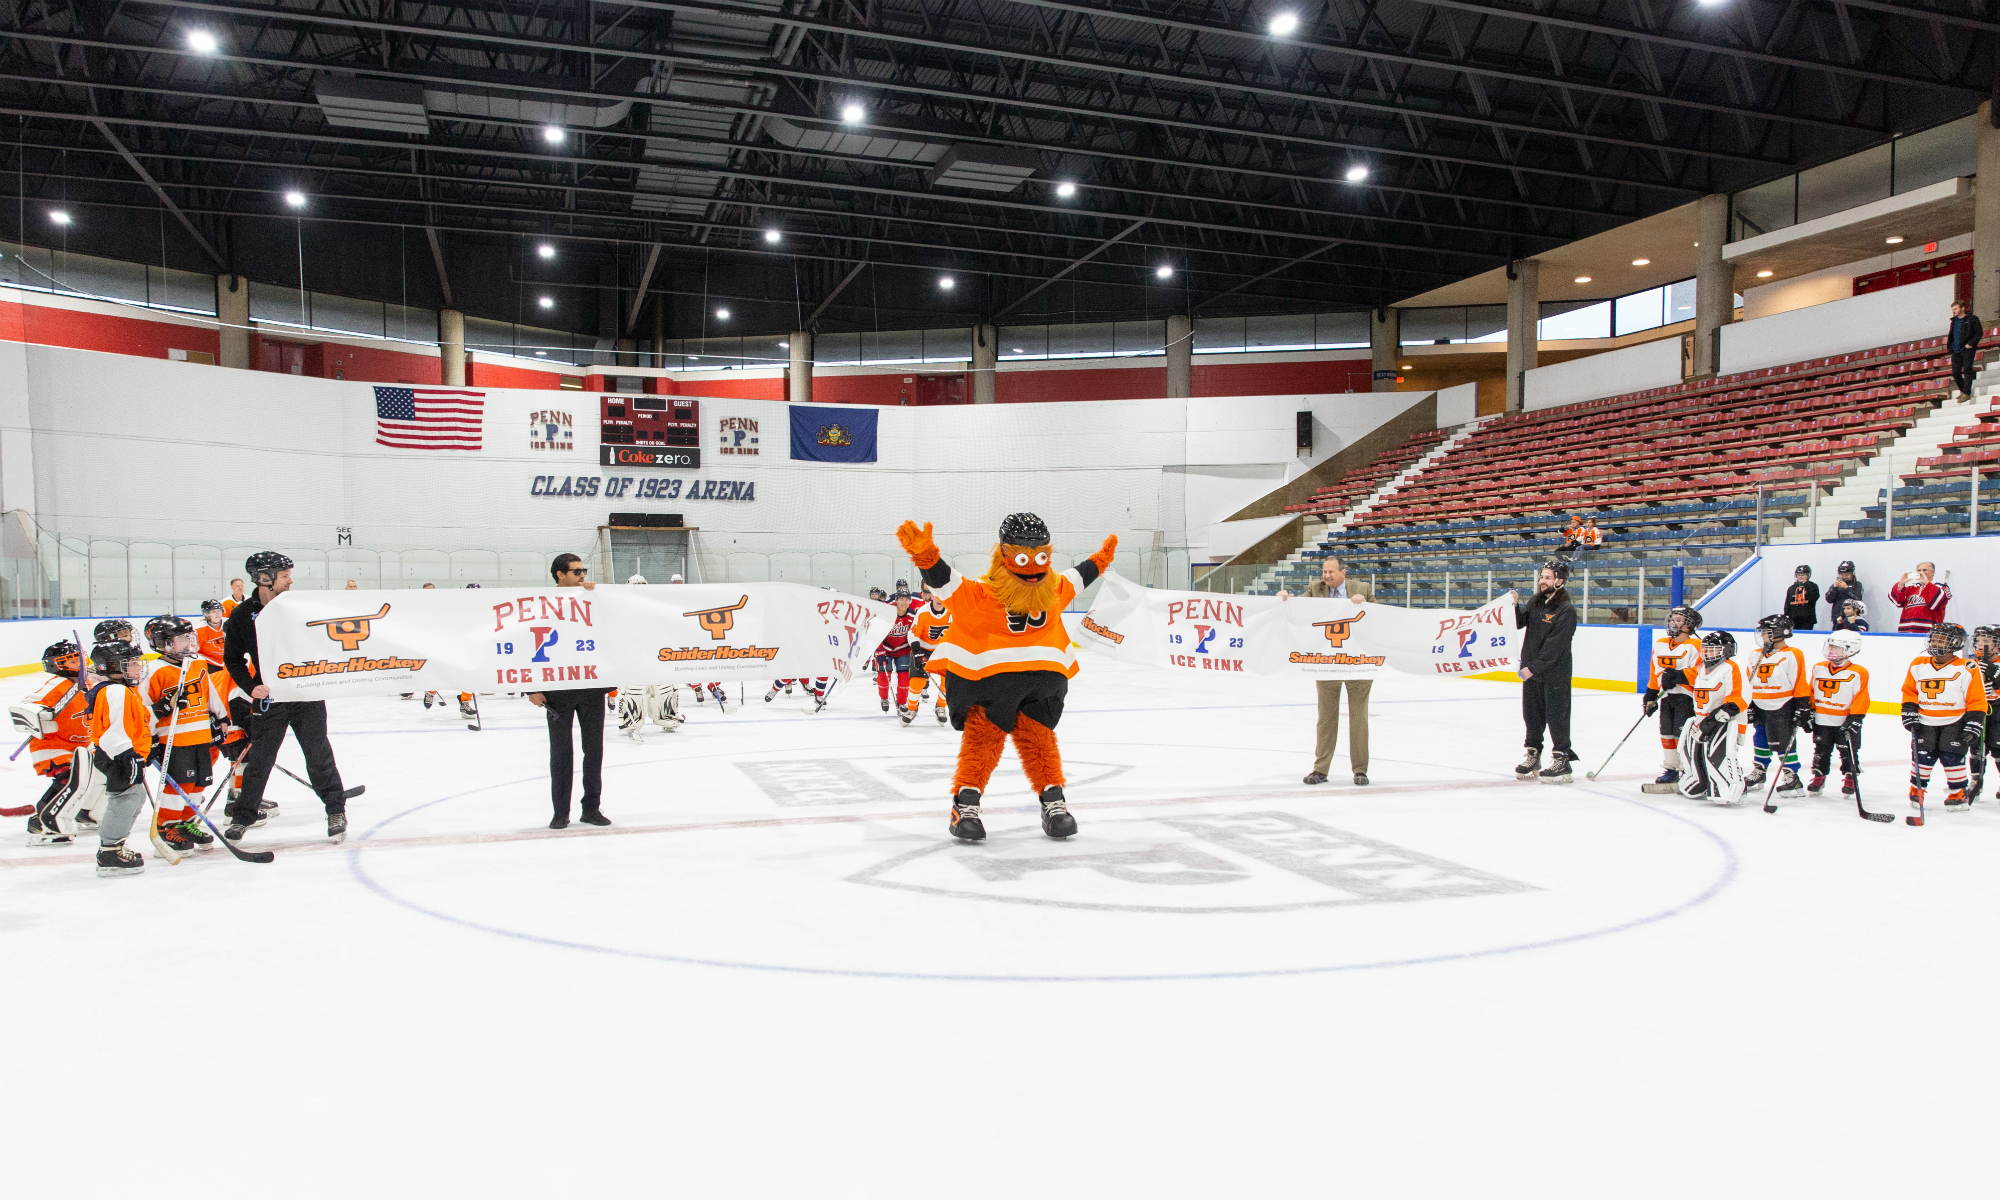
1036	694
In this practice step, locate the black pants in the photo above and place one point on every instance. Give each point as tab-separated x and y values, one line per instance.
1962	370
586	706
1545	704
1676	710
1825	739
307	720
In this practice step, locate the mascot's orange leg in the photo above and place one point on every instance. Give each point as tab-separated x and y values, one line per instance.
1041	759
978	752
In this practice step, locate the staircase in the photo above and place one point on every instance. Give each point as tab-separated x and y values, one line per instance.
1863	489
1265	583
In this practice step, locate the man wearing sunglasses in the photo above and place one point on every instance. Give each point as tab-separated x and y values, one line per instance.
582	706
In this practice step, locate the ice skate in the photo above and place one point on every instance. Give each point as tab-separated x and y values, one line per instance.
1558	771
201	837
1916	816
1667	784
1848	787
788	687
466	710
885	703
1531	765
428	698
175	838
114	859
943	715
908	715
336	826
39	836
1956	801
85	822
1056	819
965	823
773	693
1788	782
1817	785
1754	777
721	699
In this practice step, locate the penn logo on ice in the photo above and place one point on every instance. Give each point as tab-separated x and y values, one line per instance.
350	632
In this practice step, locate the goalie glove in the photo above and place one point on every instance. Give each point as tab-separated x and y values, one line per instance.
1710	726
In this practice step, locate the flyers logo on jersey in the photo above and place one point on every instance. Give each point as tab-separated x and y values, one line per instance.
1337	632
1933	688
1022	622
350	632
718	621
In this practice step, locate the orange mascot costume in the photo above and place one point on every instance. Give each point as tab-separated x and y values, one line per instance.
1009	662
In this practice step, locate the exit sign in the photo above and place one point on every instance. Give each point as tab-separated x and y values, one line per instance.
1930	247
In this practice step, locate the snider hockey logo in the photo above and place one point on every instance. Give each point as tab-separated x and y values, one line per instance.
718	621
350	632
1828	687
1337	632
1933	688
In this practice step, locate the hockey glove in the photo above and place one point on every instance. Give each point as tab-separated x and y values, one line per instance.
1971	735
1710	726
1910	717
1802	711
1652	704
1853	724
1672	677
1756	716
119	773
162	707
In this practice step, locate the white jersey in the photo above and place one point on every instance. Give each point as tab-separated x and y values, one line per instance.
1716	685
1839	692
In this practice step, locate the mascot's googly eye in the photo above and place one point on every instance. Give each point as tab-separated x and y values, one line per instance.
1042	560
1020	560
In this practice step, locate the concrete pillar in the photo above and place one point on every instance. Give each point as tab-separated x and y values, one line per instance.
451	347
232	316
985	359
1180	357
1385	344
1714	283
799	380
1524	314
1986	222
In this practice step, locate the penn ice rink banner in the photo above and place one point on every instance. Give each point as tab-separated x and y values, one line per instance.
319	644
1324	639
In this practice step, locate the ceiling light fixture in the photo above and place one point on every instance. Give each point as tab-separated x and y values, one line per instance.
546	250
296	199
59	217
1065	190
201	41
784	345
1642	262
553	134
852	113
1285	24
1163	272
1763	274
1583	279
773	237
1357	173
1404	367
1017	350
947	282
546	302
1896	240
722	314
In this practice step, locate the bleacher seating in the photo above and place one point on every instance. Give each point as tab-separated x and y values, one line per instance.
1353	487
1672	476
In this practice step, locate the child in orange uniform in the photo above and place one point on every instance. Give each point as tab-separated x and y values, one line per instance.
55	719
185	694
208	635
930	622
121	737
1944	708
1709	742
1840	702
1780	702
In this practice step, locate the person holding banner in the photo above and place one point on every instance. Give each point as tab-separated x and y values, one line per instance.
1332	583
1545	665
583	707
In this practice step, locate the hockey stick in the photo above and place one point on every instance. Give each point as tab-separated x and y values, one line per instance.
1854	749
249	856
1778	771
473	727
1618	747
18	749
160	848
349	794
27	810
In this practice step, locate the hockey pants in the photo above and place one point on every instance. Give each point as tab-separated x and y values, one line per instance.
1774	730
1934	744
307	719
1676	710
1825	739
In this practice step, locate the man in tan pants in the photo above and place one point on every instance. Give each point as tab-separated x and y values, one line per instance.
1332	582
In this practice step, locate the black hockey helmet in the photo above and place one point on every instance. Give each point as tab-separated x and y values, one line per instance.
876	593
115	629
1945	636
1776	626
263	567
1717	645
62	659
209	606
1560	566
1854	602
1846	567
1024	529
109	659
162	630
472	585
1992	635
1687	613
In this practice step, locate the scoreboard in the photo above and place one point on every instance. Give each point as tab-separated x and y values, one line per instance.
650	431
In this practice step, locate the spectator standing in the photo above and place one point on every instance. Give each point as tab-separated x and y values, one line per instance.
1922	599
1802	600
1545	667
582	707
1853	617
1844	587
1332	583
1964	346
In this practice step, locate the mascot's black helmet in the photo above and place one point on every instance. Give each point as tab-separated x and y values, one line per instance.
1024	529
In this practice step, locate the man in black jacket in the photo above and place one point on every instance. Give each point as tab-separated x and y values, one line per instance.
266	721
1550	623
1964	347
582	707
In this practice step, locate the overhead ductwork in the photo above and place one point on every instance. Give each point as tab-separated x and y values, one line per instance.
372	104
975	168
483	104
407	107
863	145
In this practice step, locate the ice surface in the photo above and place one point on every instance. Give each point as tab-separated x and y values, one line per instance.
776	974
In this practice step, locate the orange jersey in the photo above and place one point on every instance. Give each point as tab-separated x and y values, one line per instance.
200	697
1944	694
64	701
228	606
1674	654
985	639
208	642
120	721
1715	686
933	621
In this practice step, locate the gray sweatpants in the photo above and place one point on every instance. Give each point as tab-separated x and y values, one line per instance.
120	809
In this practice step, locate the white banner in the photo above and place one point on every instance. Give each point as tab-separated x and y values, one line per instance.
1325	639
319	644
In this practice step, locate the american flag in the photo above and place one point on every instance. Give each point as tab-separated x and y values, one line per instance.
427	418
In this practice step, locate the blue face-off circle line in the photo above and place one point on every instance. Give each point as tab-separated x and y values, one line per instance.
1730	868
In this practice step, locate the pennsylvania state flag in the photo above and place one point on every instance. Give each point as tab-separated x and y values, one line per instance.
845	434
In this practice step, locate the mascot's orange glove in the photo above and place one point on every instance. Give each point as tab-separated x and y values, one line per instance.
1103	557
918	545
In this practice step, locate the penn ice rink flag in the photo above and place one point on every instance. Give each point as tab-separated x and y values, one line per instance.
1212	634
845	434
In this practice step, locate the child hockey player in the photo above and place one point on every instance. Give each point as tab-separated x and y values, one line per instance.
1709	742
1944	708
1852	616
1676	658
892	657
56	720
1985	653
930	622
1840	701
208	635
1780	702
185	694
115	629
121	734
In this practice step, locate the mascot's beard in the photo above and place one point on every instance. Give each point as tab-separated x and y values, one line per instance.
1018	595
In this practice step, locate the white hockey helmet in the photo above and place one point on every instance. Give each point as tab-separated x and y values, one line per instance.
1842	645
675	579
636	578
